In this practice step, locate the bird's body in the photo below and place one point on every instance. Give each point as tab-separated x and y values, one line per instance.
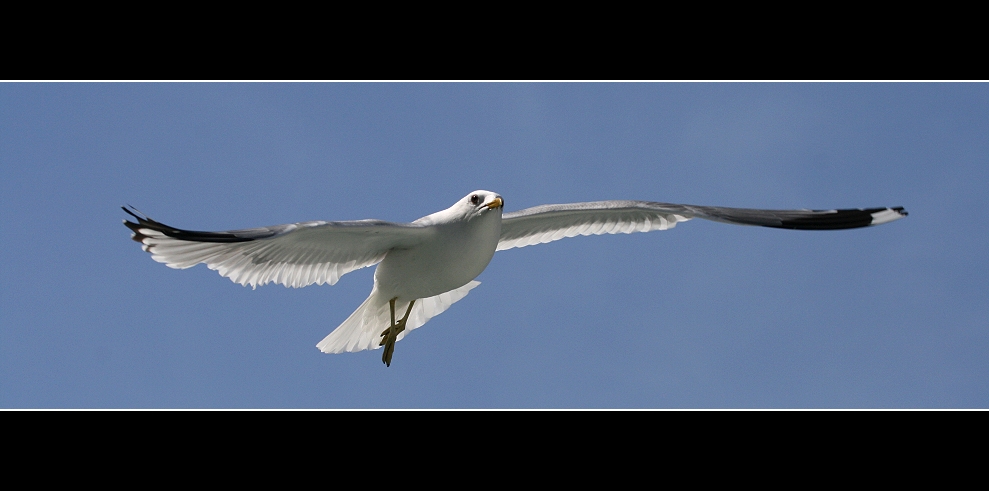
427	265
460	244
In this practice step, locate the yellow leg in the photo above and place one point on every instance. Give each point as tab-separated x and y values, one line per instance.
390	335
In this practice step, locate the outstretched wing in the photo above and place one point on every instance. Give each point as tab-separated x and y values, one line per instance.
295	254
546	223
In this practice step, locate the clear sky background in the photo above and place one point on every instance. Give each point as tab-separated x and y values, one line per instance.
706	315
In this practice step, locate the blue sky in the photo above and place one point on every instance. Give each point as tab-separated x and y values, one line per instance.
706	315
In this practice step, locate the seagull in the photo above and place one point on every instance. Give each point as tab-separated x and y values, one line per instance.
426	266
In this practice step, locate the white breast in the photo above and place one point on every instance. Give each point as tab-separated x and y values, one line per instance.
457	252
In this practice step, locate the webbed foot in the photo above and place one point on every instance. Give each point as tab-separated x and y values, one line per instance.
390	335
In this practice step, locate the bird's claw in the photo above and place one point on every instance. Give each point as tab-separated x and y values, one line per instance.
389	350
390	335
388	338
391	332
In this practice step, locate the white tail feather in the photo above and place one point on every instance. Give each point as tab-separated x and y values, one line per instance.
362	330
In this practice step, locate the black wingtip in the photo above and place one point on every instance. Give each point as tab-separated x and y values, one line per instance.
842	219
132	213
142	219
145	222
136	234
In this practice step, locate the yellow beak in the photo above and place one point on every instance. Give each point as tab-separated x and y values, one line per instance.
496	203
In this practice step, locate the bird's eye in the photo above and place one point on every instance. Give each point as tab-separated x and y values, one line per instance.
475	199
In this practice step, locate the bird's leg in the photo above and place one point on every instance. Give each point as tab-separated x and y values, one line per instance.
390	335
386	336
399	326
391	305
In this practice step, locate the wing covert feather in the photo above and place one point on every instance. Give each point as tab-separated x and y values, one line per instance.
546	223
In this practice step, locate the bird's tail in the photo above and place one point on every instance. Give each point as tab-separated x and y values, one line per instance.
362	330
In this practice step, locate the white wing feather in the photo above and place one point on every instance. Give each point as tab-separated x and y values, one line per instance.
546	223
293	255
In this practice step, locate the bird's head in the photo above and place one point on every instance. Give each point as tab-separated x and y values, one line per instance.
480	203
476	204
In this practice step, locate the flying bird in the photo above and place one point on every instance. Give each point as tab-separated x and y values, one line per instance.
425	266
